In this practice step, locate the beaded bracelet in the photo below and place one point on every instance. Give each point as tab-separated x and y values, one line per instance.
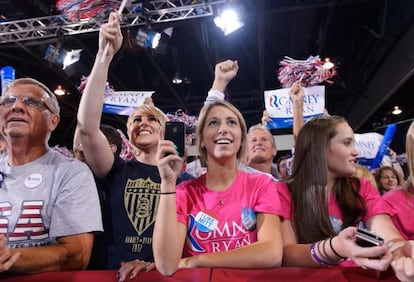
334	251
167	193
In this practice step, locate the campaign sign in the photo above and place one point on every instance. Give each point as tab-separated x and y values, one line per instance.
367	145
124	102
279	105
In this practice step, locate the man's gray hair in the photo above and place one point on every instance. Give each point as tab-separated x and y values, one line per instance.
31	81
260	126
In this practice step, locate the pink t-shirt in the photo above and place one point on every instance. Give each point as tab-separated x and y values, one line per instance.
403	205
375	203
222	221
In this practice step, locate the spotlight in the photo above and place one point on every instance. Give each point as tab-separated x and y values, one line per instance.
71	57
147	39
228	21
396	110
177	78
58	55
59	91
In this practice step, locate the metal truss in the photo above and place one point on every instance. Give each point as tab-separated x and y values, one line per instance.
157	11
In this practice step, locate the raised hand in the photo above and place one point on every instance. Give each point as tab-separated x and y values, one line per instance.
296	92
111	32
224	72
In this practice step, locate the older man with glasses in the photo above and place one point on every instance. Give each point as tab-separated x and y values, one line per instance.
49	206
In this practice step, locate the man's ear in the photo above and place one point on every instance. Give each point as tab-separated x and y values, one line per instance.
53	121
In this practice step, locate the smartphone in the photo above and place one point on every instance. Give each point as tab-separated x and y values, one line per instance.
175	131
365	238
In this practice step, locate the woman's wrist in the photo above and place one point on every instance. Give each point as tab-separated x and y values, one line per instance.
396	247
167	193
219	85
298	104
322	254
100	54
167	187
334	249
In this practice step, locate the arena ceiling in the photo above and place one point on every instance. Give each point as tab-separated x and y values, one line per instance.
371	42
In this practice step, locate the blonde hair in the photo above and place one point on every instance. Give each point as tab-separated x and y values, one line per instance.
364	172
409	149
242	153
32	81
150	110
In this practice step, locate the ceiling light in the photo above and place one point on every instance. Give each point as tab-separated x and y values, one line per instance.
396	110
148	38
71	57
59	91
177	79
228	21
328	64
58	55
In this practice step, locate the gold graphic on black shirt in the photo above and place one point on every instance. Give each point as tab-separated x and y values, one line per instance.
141	202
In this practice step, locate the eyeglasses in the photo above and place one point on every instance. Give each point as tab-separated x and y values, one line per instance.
32	102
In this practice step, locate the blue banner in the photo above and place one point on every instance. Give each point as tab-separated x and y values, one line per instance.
124	102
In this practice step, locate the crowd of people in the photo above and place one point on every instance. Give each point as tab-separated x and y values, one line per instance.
242	211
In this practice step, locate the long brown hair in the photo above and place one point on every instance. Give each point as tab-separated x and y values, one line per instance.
308	184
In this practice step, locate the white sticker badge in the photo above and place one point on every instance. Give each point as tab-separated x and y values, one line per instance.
205	222
33	180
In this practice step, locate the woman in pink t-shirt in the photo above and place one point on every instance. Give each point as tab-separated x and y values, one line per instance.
402	201
323	203
224	218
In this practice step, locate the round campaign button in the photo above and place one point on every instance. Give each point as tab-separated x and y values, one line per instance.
33	180
248	217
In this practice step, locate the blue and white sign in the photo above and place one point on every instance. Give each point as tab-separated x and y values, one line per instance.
124	102
372	147
279	105
367	145
383	147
